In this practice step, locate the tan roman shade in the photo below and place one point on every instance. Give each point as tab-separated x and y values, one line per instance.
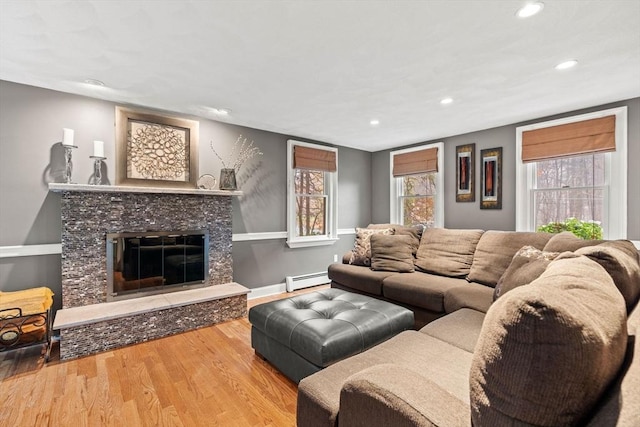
313	158
422	161
588	136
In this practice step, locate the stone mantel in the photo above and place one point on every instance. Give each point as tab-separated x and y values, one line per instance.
59	188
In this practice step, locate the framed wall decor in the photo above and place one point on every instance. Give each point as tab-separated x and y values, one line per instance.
154	150
465	173
491	189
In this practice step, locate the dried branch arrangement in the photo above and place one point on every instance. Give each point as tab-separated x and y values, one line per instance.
241	152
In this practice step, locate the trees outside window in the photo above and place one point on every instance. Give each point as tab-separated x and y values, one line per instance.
311	203
572	187
418	199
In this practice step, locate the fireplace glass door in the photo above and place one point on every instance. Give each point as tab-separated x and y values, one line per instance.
155	262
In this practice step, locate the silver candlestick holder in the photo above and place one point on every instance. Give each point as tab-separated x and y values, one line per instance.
97	170
68	164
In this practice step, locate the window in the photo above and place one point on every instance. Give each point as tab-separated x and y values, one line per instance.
417	186
574	177
311	202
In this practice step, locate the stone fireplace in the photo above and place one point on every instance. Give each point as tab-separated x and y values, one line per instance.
89	321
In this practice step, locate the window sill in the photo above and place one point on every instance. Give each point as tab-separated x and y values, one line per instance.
308	243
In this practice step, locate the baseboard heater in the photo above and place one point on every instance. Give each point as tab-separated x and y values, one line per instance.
306	280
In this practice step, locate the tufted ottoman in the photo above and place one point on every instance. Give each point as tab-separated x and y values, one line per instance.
303	334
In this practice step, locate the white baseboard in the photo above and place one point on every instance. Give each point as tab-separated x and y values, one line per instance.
266	291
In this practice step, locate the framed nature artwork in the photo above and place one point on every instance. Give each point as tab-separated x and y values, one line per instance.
465	173
491	191
154	150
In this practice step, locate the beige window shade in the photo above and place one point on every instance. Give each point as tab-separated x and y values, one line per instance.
313	158
588	136
415	162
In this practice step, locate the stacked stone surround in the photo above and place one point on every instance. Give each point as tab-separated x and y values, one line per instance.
87	217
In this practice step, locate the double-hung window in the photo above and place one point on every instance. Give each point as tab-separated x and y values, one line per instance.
311	202
574	170
417	196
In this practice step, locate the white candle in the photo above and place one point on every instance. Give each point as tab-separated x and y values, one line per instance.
67	136
98	149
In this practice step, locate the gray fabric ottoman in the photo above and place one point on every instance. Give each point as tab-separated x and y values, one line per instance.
303	334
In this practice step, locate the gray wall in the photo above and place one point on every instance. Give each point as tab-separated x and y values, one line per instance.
469	215
31	122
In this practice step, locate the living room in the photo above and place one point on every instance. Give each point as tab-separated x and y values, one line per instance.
486	110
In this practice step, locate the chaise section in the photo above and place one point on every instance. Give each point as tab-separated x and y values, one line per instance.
359	278
446	365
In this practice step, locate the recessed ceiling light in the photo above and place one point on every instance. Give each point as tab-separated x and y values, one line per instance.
529	9
445	101
94	82
374	122
566	64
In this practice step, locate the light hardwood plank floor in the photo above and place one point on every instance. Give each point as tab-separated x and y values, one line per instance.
207	377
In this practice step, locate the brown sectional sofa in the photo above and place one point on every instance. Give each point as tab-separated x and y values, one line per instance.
561	350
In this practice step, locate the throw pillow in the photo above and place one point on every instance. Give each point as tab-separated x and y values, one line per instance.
415	232
561	339
526	266
567	241
361	253
496	250
391	253
620	259
447	252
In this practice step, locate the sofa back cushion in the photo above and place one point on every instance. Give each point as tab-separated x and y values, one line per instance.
495	251
391	253
361	253
447	252
548	351
620	259
568	242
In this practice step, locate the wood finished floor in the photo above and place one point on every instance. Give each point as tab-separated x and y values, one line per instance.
207	377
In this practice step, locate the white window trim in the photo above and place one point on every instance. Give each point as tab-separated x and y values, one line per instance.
396	183
331	237
616	177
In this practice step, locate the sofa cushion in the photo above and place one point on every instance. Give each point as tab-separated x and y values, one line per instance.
526	266
495	251
444	364
560	339
361	253
447	252
357	277
419	289
468	295
391	253
414	232
392	395
460	328
620	259
568	242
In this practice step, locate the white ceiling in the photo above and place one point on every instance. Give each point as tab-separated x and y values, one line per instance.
323	69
